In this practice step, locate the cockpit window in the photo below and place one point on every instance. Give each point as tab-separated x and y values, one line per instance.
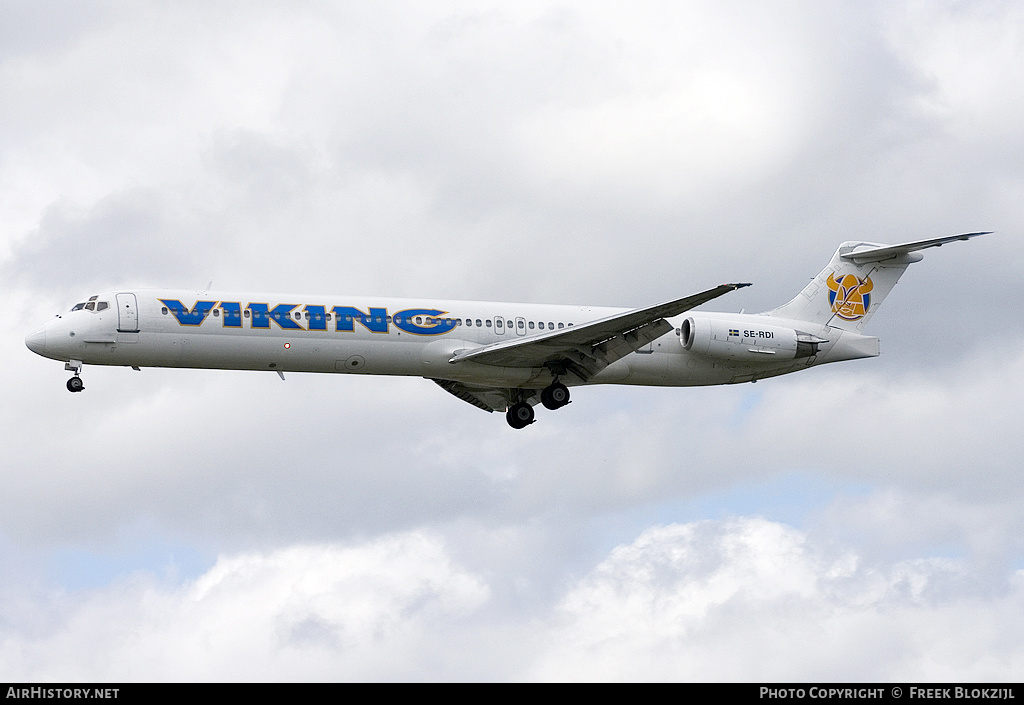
79	307
91	306
102	305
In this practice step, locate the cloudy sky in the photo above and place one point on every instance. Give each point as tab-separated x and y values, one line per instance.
858	521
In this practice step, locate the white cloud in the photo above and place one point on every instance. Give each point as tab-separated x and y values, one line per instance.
743	599
317	611
753	600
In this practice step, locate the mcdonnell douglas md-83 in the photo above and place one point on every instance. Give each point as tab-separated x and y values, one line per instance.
496	356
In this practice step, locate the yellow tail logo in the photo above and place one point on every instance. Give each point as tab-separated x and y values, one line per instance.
850	296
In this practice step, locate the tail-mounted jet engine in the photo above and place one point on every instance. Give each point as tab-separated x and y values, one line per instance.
733	340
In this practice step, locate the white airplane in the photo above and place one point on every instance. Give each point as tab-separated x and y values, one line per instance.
496	356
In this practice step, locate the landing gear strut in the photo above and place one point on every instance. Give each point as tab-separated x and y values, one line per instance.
75	384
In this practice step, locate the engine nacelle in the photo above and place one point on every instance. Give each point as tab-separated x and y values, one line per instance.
744	340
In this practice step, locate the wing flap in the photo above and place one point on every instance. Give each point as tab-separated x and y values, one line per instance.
486	399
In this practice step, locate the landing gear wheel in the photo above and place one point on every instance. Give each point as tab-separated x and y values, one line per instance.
75	384
554	396
519	415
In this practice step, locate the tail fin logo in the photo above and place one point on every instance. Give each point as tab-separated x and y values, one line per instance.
850	296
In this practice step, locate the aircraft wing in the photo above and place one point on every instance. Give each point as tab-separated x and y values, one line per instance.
879	254
586	349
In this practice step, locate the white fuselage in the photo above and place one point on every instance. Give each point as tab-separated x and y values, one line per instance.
387	336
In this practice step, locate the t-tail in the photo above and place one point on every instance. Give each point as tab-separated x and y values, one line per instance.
851	288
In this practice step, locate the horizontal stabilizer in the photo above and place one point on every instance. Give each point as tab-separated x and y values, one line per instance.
880	254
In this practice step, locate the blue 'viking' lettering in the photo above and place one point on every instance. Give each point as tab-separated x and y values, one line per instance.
185	317
406	320
317	316
232	314
346	316
262	314
376	320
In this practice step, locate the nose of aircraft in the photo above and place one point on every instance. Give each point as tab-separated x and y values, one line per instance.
36	341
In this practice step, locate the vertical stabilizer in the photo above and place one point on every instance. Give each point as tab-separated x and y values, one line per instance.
851	288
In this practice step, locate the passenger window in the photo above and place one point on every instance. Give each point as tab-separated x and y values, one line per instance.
216	312
531	325
488	322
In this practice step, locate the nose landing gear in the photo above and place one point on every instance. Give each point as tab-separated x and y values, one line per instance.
75	384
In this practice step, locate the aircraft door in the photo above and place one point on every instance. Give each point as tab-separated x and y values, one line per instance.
520	326
127	314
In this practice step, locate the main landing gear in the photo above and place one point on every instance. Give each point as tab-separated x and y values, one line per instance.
75	384
519	415
554	396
